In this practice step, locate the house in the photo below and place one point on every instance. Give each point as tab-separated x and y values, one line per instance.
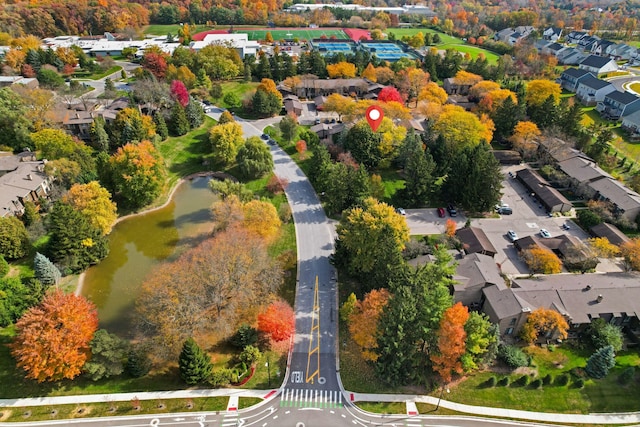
570	78
617	105
575	36
622	51
580	298
581	171
626	202
603	48
586	44
511	36
239	41
570	56
568	248
554	150
598	65
552	49
632	122
473	273
591	90
327	130
552	34
548	196
293	105
610	232
31	83
22	179
474	240
454	86
313	87
319	101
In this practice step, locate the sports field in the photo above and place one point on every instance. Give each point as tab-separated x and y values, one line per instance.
300	33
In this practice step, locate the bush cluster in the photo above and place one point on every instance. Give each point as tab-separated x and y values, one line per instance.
512	356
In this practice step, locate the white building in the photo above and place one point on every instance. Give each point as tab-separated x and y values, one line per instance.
239	41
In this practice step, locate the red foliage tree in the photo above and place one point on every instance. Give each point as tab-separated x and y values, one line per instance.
53	338
277	185
277	321
179	92
67	70
27	71
155	63
451	342
301	148
390	93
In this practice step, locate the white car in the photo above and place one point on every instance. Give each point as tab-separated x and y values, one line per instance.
512	235
544	233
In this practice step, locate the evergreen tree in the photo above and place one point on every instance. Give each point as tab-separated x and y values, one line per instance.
246	76
601	362
33	59
109	88
545	114
194	364
161	125
108	351
45	270
202	79
505	118
98	135
194	113
179	122
138	363
264	68
418	172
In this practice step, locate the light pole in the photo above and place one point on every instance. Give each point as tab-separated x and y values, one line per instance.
440	398
268	365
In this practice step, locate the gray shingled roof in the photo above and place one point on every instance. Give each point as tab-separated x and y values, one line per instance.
622	97
595	61
477	269
610	231
575	72
594	83
582	169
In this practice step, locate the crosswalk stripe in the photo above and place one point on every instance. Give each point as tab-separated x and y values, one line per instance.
311	398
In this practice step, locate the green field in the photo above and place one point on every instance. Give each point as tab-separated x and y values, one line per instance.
302	34
163	30
401	32
474	51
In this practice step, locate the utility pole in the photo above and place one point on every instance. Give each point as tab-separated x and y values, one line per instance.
268	365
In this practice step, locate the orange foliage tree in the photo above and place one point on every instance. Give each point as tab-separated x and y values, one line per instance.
451	342
52	341
363	322
450	227
630	251
277	321
369	73
543	321
542	260
301	148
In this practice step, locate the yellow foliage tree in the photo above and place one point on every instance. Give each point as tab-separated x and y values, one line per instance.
539	90
542	260
480	89
603	247
523	138
269	86
461	128
369	73
341	70
493	99
268	37
430	110
261	218
466	78
431	92
630	251
384	75
542	322
14	58
342	105
27	43
226	140
450	227
392	137
395	111
363	322
94	202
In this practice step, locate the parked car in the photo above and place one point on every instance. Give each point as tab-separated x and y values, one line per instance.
264	136
544	233
512	235
441	213
501	205
505	210
401	211
452	210
566	226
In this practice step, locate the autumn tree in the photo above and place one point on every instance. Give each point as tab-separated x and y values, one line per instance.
194	363
131	125
93	201
339	104
630	251
544	322
524	138
451	342
542	260
341	70
261	218
431	92
227	212
390	93
179	92
603	248
538	91
301	148
226	117
137	173
460	128
369	73
450	227
204	291
226	140
277	321
481	88
465	78
370	240
254	158
155	63
363	322
14	240
410	82
45	271
52	340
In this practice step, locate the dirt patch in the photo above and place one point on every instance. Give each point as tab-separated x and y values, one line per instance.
526	370
81	411
5	414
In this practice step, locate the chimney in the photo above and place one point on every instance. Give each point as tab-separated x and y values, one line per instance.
29	177
600	298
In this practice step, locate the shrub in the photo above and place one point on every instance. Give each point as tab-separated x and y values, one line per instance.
562	380
537	383
627	375
284	213
221	378
523	380
579	383
512	356
491	382
4	267
503	382
138	363
245	336
547	379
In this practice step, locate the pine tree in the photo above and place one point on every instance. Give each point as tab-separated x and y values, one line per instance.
98	135
161	125
45	270
179	122
138	363
195	365
194	113
600	362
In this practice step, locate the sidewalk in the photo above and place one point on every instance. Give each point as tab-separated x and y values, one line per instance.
622	418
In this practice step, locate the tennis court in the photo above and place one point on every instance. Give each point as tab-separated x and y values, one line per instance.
334	47
291	33
387	51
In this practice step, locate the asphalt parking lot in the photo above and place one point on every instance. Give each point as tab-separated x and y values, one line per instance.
527	219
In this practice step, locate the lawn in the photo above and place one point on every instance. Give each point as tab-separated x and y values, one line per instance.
474	51
240	89
300	33
97	75
163	30
444	38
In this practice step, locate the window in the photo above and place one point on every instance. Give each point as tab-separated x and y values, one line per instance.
509	331
513	322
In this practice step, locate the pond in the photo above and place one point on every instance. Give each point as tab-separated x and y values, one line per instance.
139	243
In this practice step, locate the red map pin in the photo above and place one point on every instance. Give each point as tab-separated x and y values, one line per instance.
374	116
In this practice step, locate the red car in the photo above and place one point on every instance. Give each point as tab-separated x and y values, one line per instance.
441	213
